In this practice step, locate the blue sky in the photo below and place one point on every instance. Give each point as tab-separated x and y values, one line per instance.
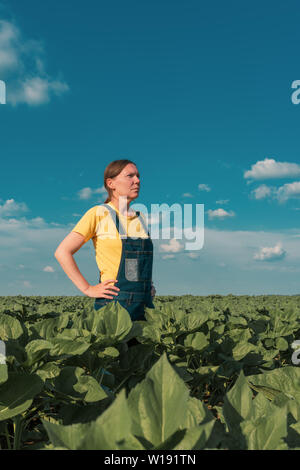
198	94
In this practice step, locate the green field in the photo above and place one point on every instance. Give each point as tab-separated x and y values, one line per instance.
215	372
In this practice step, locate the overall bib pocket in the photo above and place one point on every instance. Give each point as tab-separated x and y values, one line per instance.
138	265
132	269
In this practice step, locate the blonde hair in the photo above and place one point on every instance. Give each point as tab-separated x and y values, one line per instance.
112	170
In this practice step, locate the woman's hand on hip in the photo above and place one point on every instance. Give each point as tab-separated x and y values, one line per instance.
103	289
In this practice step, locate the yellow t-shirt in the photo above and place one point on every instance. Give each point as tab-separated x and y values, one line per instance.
98	225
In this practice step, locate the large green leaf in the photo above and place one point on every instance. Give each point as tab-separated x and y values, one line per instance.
155	317
68	437
197	341
266	433
237	404
36	350
49	327
17	393
62	346
261	406
158	405
196	413
109	325
151	333
196	438
48	371
237	320
111	431
241	350
193	321
73	382
10	328
285	380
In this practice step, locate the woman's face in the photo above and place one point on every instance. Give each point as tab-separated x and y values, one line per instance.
126	183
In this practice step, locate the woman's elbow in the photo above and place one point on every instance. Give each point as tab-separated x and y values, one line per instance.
63	252
58	253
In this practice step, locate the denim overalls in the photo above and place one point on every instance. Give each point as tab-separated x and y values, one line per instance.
135	272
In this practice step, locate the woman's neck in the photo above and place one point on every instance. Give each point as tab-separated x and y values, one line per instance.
122	205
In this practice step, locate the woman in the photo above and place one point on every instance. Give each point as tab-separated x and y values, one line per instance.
124	253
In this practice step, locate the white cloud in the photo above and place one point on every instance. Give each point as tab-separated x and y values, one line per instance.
22	67
48	269
269	168
269	253
101	190
174	246
187	195
36	91
11	207
262	191
26	247
238	248
219	214
288	191
168	257
204	187
282	194
87	193
9	36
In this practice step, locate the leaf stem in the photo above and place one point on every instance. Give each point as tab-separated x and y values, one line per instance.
18	426
7	438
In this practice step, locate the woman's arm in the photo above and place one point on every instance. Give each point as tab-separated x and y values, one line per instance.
64	255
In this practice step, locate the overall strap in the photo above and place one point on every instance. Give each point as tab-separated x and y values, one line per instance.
117	221
141	219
